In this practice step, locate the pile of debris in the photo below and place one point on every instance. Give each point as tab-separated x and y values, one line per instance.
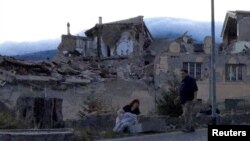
77	70
70	72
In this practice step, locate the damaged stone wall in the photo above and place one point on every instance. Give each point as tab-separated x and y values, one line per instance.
244	31
121	38
235	27
113	93
127	44
68	43
72	46
40	112
81	77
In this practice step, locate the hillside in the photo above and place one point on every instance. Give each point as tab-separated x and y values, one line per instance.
165	27
162	27
41	55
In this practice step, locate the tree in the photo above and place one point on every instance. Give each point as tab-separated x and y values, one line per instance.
166	104
91	105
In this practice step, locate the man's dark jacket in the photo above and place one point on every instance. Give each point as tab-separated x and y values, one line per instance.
187	88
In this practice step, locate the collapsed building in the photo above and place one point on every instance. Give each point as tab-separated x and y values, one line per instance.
119	48
121	38
110	50
106	62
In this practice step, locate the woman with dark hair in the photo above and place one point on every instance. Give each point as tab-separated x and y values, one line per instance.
133	107
127	116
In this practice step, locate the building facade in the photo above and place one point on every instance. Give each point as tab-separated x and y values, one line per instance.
232	60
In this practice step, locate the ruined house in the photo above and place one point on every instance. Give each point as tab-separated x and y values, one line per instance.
232	61
119	48
235	32
121	38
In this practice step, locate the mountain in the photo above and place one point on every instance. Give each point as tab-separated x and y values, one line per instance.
165	27
162	27
41	55
14	48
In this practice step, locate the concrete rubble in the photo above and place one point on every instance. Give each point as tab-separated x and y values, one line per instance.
102	59
16	71
76	65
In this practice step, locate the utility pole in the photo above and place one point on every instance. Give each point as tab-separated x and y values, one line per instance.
213	66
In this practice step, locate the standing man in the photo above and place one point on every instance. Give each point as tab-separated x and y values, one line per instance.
187	96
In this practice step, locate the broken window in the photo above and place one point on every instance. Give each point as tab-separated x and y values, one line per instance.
194	69
234	72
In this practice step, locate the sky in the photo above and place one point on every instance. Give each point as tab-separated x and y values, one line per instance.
33	20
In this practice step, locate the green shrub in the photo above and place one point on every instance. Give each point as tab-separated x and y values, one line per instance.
8	121
91	105
231	104
166	104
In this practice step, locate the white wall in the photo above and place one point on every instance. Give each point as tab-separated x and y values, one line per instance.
125	44
104	49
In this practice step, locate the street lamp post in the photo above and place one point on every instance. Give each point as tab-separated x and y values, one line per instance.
213	66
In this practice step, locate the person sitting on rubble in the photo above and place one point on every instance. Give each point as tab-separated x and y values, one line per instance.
127	118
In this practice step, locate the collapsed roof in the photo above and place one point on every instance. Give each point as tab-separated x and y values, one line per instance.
236	26
112	31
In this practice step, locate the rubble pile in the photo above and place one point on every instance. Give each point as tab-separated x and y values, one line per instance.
73	71
70	72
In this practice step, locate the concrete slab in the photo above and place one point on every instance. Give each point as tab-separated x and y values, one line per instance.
198	135
64	134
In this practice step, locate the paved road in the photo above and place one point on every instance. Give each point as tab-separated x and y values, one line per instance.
199	135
